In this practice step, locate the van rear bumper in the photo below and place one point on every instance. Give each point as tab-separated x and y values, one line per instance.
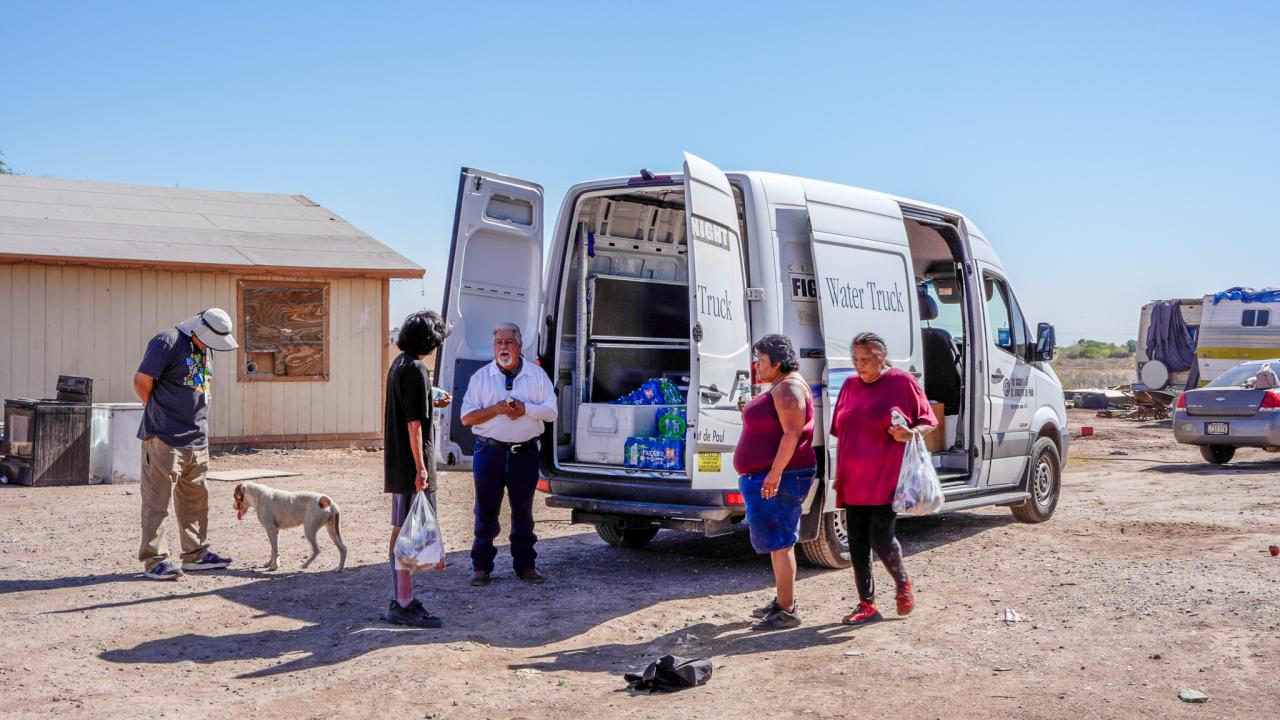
706	519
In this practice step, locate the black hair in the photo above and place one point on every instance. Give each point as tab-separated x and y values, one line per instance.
421	333
780	351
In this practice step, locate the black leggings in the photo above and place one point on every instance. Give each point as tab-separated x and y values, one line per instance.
871	527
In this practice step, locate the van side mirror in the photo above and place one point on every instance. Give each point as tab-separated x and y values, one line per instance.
1046	343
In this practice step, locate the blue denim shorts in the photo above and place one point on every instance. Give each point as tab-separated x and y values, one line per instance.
775	522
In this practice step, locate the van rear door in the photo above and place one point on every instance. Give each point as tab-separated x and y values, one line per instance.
719	339
495	276
865	283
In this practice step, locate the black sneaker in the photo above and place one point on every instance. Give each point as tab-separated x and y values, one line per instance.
767	610
163	570
780	620
413	616
210	561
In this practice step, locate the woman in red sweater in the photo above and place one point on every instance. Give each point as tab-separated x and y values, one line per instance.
868	459
777	464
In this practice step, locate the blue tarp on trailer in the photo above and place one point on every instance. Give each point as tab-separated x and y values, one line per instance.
1248	295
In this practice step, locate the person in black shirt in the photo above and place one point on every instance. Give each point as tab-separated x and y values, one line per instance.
408	455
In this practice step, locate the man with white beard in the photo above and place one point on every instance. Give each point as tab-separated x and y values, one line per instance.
507	405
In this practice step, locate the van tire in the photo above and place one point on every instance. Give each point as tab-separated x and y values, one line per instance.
632	538
1217	454
831	548
1044	482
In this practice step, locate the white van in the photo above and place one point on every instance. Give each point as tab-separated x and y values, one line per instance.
674	276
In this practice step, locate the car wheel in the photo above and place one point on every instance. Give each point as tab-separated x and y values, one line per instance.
831	548
633	538
1217	454
1044	482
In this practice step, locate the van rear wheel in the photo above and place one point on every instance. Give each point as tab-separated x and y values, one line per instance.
1217	454
831	548
1044	482
618	536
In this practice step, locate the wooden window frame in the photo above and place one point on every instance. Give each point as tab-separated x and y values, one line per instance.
242	373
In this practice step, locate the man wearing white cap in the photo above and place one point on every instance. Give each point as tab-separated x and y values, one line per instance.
173	382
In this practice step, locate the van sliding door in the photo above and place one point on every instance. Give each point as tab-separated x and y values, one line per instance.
720	345
495	276
865	283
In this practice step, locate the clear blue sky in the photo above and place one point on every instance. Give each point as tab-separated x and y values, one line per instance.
1113	152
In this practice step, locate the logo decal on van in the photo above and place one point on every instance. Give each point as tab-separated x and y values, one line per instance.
804	288
711	233
1018	387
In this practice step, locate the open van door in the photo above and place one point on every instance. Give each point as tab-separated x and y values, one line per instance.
720	344
495	276
862	263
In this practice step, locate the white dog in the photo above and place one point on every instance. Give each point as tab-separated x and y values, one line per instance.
279	510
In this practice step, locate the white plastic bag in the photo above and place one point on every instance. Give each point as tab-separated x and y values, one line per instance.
919	491
419	545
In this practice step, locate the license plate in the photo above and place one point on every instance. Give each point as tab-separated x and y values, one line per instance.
1217	428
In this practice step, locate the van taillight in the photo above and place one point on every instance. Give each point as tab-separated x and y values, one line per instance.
1182	402
734	499
1270	400
543	485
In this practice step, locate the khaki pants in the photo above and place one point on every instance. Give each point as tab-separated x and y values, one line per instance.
176	472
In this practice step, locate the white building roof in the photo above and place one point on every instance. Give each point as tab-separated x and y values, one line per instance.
80	221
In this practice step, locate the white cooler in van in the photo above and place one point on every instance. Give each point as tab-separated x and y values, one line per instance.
602	430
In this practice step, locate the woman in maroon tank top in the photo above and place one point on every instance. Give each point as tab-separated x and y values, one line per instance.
776	464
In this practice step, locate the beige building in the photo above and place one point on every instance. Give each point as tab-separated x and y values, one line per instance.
90	271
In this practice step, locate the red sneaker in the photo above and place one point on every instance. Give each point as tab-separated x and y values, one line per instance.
863	614
906	599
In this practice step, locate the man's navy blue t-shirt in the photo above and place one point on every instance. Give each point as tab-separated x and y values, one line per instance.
178	410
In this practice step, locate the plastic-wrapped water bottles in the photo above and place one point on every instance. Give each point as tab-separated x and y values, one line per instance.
654	453
671	394
672	454
671	423
631	452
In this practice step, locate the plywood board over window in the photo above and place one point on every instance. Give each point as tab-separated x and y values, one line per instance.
284	331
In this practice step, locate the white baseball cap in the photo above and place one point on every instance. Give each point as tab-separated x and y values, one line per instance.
213	327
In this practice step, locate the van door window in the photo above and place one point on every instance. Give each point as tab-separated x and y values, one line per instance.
1008	328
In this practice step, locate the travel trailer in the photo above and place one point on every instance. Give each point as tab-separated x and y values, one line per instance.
1155	374
1226	329
1237	326
662	282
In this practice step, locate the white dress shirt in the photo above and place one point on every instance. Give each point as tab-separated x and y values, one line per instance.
532	387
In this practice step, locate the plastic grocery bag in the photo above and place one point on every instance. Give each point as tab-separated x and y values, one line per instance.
419	545
919	491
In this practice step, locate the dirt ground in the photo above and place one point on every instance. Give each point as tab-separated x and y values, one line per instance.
1153	576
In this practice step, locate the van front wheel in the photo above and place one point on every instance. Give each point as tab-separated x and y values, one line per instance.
1044	482
632	538
831	548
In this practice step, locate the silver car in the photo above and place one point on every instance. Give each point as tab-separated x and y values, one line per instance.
1230	413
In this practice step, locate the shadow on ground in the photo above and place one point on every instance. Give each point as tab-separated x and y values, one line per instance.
1250	467
589	584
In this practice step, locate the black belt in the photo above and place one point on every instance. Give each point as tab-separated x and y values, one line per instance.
516	447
